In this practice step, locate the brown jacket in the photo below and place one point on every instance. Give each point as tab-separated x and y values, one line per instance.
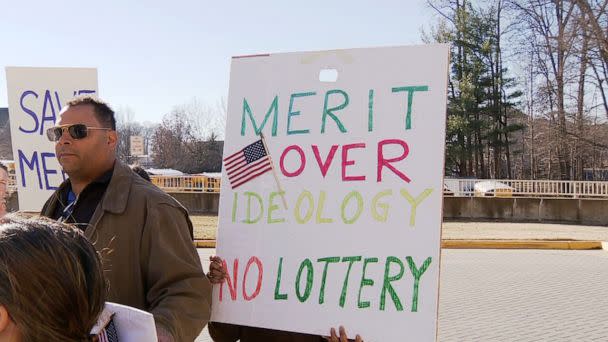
144	236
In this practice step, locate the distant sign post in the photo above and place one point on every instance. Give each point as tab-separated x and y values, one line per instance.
349	233
35	97
137	145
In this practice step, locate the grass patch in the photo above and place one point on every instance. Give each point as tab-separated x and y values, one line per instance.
205	226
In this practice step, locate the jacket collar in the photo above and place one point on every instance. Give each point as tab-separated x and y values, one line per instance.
117	194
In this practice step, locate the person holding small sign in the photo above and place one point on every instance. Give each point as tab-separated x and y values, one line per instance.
52	287
153	265
223	332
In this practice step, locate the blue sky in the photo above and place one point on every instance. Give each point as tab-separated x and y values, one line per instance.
154	55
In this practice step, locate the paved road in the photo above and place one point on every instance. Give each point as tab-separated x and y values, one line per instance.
523	295
518	295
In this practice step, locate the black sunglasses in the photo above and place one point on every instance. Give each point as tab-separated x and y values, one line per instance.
76	131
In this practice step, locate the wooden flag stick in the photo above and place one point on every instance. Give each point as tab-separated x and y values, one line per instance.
274	172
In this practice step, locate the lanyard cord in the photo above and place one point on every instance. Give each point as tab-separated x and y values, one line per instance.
69	209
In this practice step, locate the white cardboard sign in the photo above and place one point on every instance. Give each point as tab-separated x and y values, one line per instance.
35	98
360	166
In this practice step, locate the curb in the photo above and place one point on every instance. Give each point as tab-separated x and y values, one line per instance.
523	244
204	243
492	244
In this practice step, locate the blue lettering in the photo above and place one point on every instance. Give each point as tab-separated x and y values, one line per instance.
48	172
32	165
29	112
84	91
51	109
58	102
48	101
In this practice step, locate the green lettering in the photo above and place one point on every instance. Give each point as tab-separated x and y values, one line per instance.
330	111
370	111
277	286
365	282
274	108
327	261
359	198
380	217
249	195
387	283
350	260
309	277
320	219
414	202
272	207
234	204
417	273
304	195
291	113
410	101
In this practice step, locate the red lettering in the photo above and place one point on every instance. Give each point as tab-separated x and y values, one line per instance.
324	166
386	162
258	287
231	284
346	162
302	161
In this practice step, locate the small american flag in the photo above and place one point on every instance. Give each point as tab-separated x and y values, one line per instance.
252	161
108	334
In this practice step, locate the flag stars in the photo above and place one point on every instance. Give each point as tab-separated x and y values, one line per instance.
254	151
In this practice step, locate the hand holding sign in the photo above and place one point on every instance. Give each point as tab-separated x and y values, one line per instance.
343	337
217	273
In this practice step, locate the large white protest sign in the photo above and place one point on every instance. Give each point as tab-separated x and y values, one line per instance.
351	236
35	98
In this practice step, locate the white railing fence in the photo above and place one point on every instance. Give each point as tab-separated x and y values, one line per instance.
525	188
191	183
452	187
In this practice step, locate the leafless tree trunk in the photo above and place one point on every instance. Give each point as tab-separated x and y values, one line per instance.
593	17
580	101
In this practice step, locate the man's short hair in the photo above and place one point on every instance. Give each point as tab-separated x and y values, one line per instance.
3	167
103	112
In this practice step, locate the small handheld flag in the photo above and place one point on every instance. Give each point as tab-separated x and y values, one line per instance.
248	163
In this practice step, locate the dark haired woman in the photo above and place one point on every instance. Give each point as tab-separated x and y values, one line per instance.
52	288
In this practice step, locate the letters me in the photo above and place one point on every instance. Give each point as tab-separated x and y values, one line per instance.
37	163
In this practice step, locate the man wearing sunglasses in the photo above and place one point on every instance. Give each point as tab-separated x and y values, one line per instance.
144	235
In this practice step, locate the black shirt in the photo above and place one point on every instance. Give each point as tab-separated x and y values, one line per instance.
80	212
